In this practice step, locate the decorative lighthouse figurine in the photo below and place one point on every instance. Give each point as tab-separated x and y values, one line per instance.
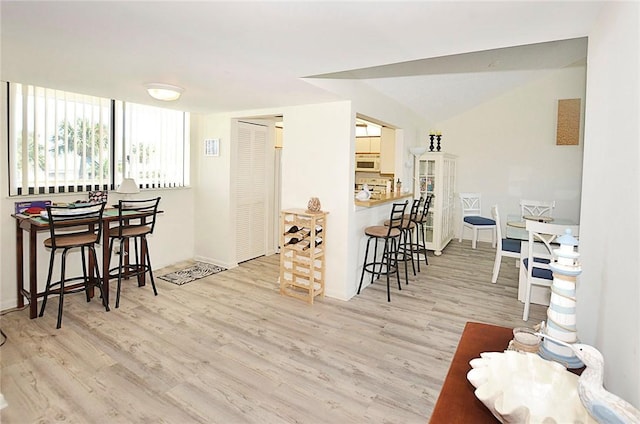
561	314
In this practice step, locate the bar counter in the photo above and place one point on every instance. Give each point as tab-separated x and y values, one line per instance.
379	200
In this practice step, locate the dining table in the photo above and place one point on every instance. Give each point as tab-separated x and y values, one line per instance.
32	225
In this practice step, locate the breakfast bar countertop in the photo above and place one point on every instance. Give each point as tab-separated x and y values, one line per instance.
379	200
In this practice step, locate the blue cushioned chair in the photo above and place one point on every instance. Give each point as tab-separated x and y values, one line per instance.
472	218
540	254
505	246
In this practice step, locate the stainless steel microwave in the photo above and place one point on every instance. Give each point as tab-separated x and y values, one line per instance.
368	162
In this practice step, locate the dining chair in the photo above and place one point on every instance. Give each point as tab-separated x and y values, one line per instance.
537	207
77	227
506	247
390	235
535	266
472	219
136	220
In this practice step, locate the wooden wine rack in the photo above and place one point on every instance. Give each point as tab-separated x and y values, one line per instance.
302	259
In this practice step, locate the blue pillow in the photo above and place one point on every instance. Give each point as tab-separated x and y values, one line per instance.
542	273
479	220
511	245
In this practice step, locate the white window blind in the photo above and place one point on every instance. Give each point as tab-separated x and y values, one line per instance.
155	149
62	142
58	141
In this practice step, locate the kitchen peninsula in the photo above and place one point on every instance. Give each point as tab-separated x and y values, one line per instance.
382	199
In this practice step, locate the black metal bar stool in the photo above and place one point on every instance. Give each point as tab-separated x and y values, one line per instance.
71	228
422	220
136	220
406	247
390	234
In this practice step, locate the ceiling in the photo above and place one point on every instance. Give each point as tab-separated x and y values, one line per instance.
437	58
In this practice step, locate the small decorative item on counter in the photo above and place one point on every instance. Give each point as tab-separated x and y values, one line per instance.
364	194
313	205
398	186
98	196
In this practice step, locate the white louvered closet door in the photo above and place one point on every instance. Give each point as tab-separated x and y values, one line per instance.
251	192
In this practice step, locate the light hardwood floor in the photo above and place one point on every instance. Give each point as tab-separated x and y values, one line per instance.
229	349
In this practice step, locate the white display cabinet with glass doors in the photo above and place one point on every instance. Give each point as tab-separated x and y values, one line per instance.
435	174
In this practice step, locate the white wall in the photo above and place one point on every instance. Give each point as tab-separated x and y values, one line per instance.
214	237
317	161
507	148
609	289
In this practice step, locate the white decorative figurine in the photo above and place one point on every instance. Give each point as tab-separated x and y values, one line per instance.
561	314
364	194
604	406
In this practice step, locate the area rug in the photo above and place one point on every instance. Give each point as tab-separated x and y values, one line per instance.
194	272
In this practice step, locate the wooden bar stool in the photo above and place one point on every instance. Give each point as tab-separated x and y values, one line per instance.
71	228
390	235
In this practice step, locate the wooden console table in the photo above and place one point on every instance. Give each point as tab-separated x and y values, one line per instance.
457	404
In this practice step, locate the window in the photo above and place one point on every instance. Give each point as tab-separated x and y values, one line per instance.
62	142
153	151
58	141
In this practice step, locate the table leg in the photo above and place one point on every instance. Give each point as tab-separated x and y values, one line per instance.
19	264
105	261
33	273
92	276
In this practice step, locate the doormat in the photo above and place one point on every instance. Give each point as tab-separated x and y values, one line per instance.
194	272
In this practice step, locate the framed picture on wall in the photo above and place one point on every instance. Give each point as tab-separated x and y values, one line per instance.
212	147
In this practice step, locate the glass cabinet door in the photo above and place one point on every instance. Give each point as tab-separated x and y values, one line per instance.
427	184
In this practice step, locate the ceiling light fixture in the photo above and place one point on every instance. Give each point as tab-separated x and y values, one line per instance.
164	92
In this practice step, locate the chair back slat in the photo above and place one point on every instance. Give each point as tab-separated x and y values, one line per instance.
137	214
537	207
415	209
425	207
471	204
495	214
76	220
396	219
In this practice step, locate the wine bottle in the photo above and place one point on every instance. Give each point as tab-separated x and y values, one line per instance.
306	244
293	229
292	240
317	243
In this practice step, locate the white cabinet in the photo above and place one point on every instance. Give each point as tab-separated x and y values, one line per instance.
388	151
367	144
435	174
